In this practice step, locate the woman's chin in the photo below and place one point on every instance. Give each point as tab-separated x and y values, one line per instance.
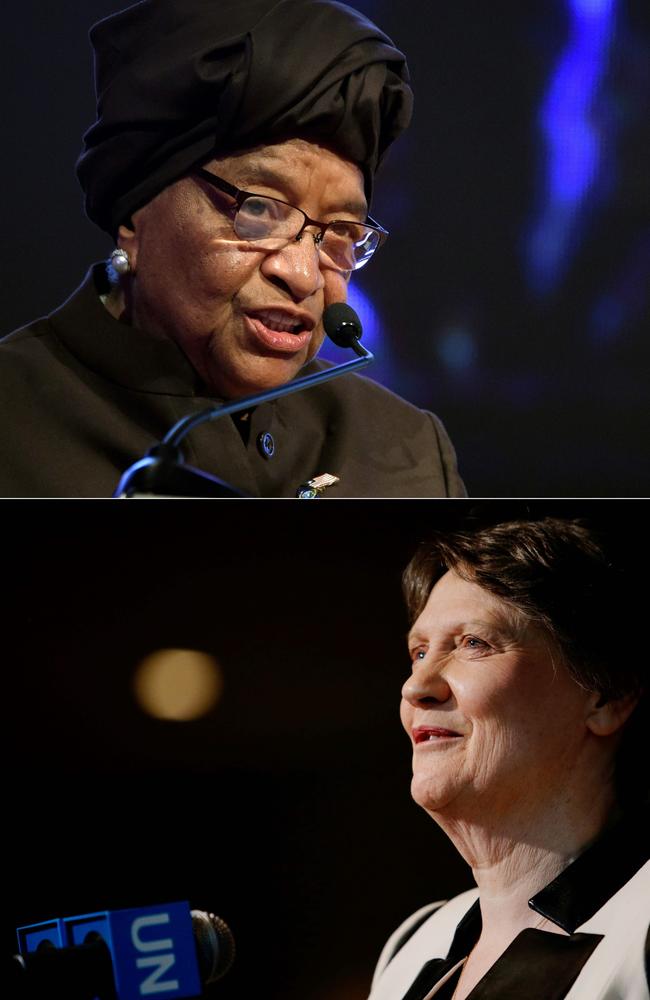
432	795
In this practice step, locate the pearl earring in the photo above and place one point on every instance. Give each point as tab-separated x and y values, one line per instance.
119	261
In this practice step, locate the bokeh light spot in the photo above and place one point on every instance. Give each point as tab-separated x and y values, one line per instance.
457	348
178	684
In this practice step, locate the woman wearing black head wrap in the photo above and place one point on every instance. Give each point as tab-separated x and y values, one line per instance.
178	82
232	160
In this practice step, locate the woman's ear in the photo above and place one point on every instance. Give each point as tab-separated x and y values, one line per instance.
127	239
606	717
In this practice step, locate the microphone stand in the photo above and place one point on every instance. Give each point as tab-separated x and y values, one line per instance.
162	472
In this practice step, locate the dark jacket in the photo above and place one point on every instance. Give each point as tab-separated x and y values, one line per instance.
85	396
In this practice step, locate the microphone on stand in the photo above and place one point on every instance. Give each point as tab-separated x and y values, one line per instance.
162	471
154	951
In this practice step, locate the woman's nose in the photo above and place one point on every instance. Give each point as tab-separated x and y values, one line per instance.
426	686
296	266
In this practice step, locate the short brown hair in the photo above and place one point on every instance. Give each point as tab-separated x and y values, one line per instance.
573	578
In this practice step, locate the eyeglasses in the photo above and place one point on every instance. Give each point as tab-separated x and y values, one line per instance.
273	223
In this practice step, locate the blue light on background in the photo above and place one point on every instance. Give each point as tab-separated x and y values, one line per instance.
573	147
457	348
625	298
370	320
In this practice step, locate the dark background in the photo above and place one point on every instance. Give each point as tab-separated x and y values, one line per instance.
287	809
532	348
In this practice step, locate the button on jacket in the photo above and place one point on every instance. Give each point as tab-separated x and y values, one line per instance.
85	396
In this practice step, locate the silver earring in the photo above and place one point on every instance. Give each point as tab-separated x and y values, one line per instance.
119	261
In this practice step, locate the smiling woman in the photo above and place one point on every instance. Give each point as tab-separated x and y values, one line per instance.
525	722
476	673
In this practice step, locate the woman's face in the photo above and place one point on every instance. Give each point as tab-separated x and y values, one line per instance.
493	715
248	319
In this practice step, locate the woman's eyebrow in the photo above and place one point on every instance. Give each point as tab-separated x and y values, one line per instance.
501	626
259	172
263	172
417	635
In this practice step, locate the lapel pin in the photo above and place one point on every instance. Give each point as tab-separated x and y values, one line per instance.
314	487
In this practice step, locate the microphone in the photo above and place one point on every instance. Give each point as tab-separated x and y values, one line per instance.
154	951
342	325
162	470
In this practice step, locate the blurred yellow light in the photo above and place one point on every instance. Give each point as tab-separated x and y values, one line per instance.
180	684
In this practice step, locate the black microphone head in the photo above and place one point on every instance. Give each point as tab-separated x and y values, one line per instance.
215	945
342	325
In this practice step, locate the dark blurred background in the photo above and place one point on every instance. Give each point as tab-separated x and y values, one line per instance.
513	297
286	808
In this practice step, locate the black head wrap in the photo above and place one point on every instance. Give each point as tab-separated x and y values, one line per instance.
179	81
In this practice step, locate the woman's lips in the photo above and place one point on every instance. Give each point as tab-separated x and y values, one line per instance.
284	341
433	734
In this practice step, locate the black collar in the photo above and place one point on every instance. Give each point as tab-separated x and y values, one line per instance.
600	871
569	901
583	887
125	355
118	352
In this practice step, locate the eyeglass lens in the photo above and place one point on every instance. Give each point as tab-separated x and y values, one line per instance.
349	245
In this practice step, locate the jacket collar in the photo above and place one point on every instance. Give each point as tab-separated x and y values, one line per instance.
568	901
115	351
125	355
537	966
596	874
583	887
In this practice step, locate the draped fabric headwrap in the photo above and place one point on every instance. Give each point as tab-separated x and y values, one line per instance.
181	81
